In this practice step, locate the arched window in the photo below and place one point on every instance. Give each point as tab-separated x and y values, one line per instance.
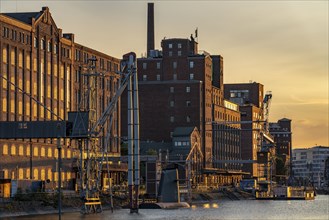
35	151
20	173
35	174
28	151
43	152
13	149
63	153
50	174
43	174
5	149
28	173
69	154
20	150
50	152
56	153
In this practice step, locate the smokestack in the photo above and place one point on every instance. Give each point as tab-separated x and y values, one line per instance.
150	28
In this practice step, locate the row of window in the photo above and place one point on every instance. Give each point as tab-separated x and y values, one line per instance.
188	119
174	65
158	77
22	37
182	143
20	150
37	174
179	45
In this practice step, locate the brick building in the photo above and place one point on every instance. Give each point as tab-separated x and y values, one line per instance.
281	132
37	58
249	96
179	86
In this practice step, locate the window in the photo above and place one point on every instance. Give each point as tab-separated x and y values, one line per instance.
49	46
20	150
172	103
172	118
170	46
20	174
50	152
144	77
35	42
49	174
43	174
158	65
43	152
69	154
28	173
13	149
55	48
5	149
191	64
179	53
175	76
158	77
35	151
28	151
144	66
174	64
35	174
179	45
42	44
170	53
188	89
188	103
188	119
172	89
191	76
4	104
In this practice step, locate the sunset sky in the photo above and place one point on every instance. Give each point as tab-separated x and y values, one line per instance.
280	44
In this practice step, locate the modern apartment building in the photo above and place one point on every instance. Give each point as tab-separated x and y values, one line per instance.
309	164
42	67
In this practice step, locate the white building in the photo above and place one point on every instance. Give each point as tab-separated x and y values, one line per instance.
309	164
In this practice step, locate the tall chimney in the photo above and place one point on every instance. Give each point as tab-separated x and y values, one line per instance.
150	28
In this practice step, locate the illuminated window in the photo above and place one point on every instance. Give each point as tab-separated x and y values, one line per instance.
63	176
13	57
63	153
13	149
55	92
48	91
62	94
28	151
68	175
62	71
50	152
20	150
48	114
20	59
35	174
12	80
5	174
5	149
27	86
28	173
35	110
27	109
20	107
4	104
50	174
43	174
62	113
42	112
35	88
28	64
43	152
4	55
56	176
56	153
55	70
20	173
12	174
20	83
35	64
69	153
35	151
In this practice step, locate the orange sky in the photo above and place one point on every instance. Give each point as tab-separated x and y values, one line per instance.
281	44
